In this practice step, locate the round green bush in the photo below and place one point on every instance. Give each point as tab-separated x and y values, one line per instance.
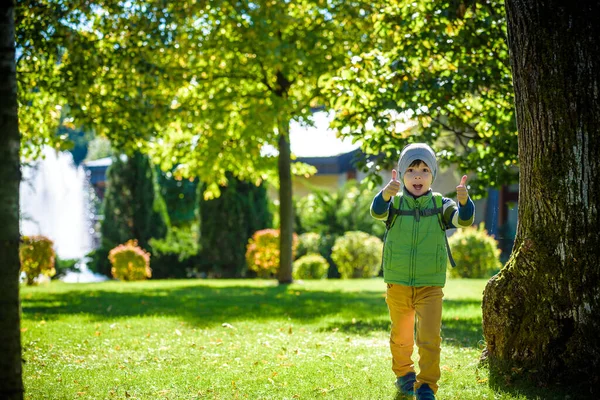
311	266
357	255
308	243
476	253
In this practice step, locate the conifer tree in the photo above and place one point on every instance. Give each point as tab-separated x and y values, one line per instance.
227	223
133	208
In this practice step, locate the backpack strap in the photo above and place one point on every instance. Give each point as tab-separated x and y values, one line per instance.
437	198
393	212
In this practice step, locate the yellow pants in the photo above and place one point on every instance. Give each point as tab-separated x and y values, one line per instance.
404	303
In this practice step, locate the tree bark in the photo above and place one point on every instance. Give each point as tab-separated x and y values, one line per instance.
11	384
286	212
540	313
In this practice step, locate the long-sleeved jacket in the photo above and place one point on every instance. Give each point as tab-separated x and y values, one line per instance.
415	252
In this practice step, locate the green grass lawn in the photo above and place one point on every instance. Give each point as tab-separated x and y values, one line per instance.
230	339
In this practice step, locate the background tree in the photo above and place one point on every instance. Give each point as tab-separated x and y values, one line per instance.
181	198
11	384
226	224
253	68
133	208
540	313
438	72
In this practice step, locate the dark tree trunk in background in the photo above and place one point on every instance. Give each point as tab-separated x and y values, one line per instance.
11	385
541	313
286	212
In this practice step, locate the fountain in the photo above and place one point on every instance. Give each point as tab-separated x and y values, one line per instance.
54	203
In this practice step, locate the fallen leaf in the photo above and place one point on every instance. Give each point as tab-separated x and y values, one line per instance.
226	325
177	332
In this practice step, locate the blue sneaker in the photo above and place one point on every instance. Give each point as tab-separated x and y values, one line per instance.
425	393
406	384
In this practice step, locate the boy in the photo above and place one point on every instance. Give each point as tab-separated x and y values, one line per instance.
414	264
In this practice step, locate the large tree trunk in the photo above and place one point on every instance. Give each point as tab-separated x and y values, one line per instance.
286	211
540	313
11	385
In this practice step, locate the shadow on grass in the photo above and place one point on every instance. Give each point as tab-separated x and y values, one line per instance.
520	386
463	332
205	305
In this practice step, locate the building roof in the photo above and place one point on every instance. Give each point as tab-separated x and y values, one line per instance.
337	164
330	165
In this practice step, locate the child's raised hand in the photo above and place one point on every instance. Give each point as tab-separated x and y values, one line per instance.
392	188
461	191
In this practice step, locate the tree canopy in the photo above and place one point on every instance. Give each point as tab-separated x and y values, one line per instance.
205	87
209	87
439	72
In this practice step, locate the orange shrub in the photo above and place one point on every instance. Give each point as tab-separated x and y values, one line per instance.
37	257
130	262
262	252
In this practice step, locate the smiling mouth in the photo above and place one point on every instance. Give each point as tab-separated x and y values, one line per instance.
418	187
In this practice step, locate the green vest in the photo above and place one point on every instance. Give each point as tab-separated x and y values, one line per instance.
414	252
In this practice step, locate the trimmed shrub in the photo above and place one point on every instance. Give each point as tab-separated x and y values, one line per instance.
130	262
476	253
37	257
311	242
357	255
332	214
308	243
262	252
310	266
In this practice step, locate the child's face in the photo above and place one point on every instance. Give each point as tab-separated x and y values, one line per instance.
418	179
